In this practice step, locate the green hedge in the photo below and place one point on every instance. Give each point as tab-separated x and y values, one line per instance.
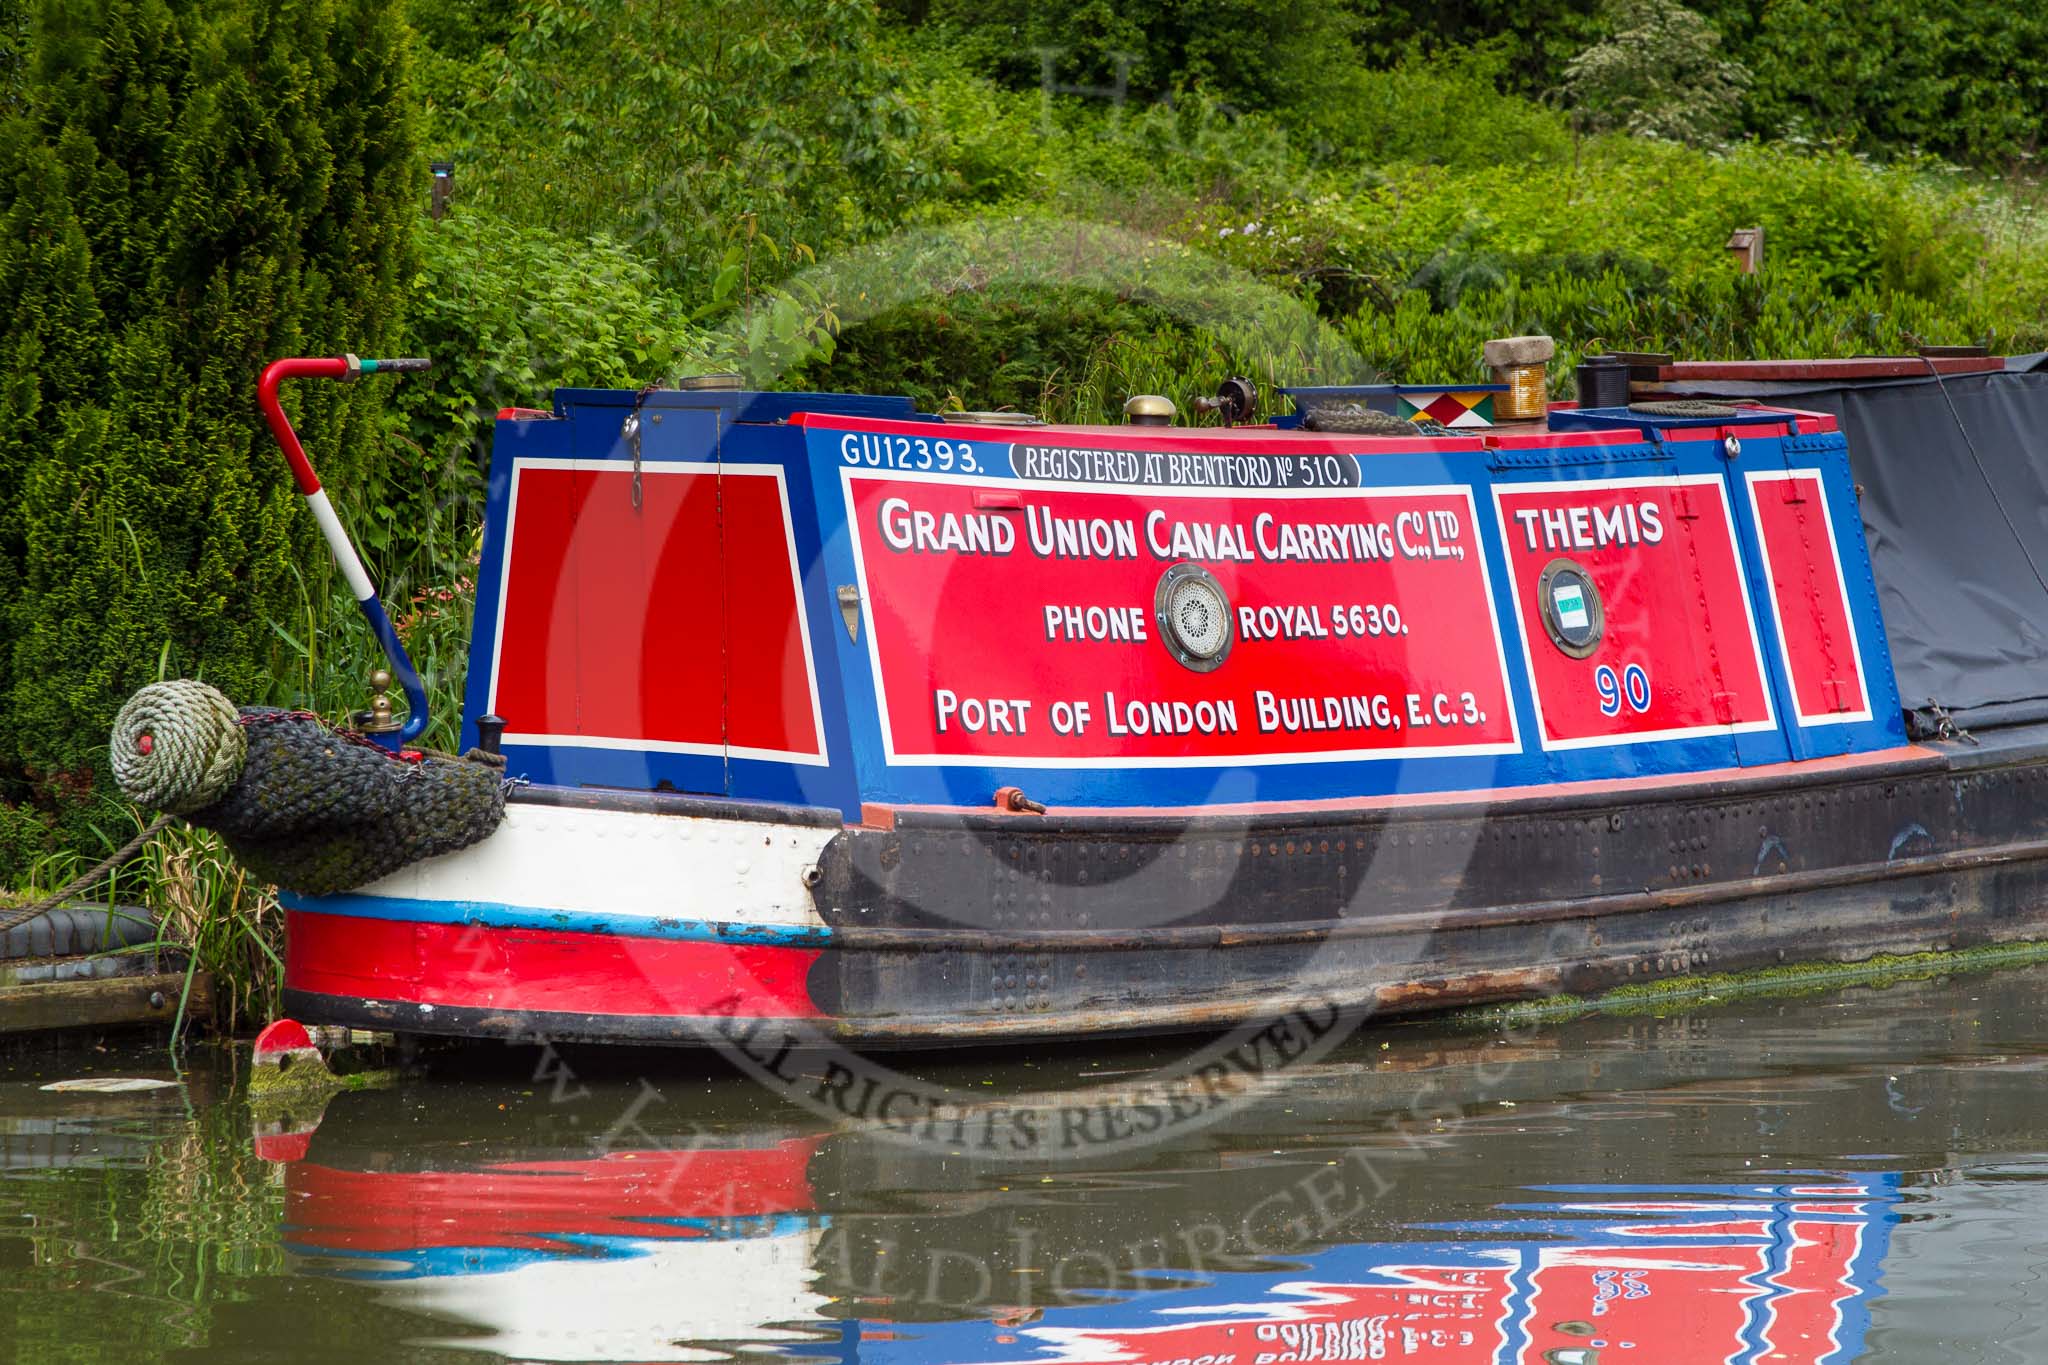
189	188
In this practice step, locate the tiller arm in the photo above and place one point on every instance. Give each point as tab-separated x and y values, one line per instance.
345	367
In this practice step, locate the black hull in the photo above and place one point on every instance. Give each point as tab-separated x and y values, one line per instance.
966	929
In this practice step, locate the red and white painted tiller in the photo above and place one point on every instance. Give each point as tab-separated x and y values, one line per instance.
345	368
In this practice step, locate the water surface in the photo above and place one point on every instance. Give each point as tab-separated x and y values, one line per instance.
1844	1176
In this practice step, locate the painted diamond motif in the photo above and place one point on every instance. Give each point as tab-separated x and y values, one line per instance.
1449	407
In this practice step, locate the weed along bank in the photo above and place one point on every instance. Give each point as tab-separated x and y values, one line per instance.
801	717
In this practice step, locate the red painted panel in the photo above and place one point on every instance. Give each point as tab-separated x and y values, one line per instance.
1663	559
769	702
1685	1304
536	1204
1361	623
617	621
1815	631
482	967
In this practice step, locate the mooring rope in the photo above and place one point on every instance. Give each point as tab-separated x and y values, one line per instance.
178	746
1355	419
22	915
1682	407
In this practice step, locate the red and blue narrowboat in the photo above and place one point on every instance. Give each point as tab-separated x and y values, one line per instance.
865	724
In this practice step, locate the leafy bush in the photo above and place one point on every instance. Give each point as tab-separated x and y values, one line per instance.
14	52
1445	109
1960	79
1250	54
1708	317
1659	72
188	189
1017	349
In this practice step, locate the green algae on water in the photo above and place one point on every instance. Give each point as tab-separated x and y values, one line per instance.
1783	980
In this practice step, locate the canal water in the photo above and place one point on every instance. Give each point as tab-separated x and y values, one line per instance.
1854	1174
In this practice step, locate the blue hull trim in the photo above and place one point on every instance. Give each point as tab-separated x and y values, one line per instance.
492	915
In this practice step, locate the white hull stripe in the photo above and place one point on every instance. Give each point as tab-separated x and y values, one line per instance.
609	871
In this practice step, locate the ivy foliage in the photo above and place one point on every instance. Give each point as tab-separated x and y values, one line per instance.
189	188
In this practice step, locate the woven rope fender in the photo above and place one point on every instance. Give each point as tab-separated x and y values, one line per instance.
309	808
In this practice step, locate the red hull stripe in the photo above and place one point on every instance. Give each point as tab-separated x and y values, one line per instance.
494	915
483	967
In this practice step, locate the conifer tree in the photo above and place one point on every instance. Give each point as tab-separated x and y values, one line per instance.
189	188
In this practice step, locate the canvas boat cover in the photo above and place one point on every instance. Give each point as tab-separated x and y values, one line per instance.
1954	481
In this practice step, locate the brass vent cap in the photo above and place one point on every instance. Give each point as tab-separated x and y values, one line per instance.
1149	410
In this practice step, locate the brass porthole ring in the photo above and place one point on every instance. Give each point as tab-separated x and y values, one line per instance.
1193	615
1572	613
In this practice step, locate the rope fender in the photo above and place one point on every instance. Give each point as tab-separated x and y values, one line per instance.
312	809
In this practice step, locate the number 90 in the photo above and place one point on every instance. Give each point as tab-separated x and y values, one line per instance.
1632	686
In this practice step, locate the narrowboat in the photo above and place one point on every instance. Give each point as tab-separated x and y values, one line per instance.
829	720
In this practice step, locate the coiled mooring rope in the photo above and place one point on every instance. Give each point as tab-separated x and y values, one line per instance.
178	746
1682	407
1355	419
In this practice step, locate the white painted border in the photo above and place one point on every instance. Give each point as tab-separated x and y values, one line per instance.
820	757
625	866
847	475
1742	581
1751	480
642	1295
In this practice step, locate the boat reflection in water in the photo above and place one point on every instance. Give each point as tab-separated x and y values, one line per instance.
564	1260
609	1257
1734	1273
1717	1187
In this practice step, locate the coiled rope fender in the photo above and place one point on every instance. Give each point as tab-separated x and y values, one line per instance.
178	746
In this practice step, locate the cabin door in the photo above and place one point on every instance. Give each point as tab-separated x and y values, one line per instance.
1735	669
